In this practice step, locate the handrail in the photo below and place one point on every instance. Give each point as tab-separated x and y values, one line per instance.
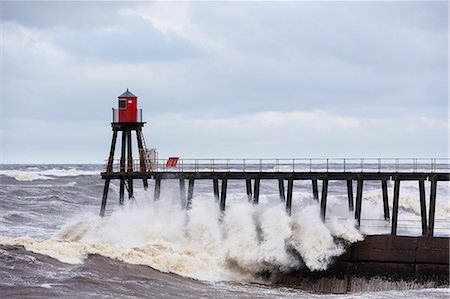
392	165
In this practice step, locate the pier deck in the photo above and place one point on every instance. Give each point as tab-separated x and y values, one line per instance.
290	170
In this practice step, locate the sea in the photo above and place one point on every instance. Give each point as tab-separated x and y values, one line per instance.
53	244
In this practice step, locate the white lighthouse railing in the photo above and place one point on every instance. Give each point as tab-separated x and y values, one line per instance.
115	115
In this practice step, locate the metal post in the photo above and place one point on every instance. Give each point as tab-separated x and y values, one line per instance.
350	195
423	208
323	201
432	206
256	191
289	195
182	193
248	187
157	189
104	198
385	199
190	193
359	192
315	189
216	189
281	189
395	205
223	195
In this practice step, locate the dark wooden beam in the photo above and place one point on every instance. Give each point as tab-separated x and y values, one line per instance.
281	190
423	208
223	195
157	192
248	187
182	193
350	194
359	193
323	201
216	189
315	189
256	191
385	199
190	193
104	198
289	195
395	205
433	190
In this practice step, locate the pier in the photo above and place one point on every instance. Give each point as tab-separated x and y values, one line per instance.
127	118
286	171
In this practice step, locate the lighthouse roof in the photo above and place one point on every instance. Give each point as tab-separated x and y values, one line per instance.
127	94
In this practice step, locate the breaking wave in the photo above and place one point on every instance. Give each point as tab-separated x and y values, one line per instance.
203	242
34	173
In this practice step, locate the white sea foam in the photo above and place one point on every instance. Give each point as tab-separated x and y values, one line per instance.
202	243
33	174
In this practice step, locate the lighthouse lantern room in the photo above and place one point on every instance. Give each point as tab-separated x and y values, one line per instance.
127	109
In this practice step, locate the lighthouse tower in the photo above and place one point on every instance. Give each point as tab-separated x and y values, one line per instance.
126	119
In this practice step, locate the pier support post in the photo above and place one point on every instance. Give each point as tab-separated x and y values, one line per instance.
182	193
190	193
223	195
248	187
256	191
216	189
323	201
315	189
395	206
385	199
104	198
423	208
281	189
432	206
130	188
289	195
359	192
350	194
121	191
157	192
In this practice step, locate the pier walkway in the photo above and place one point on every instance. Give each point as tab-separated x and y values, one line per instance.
282	170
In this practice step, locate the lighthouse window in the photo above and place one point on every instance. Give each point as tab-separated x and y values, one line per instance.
122	104
130	101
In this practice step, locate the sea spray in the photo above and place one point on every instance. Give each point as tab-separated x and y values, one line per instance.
203	242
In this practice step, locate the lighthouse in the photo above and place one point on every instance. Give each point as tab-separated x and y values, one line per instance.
126	119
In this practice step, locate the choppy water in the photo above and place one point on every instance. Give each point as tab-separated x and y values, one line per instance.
149	249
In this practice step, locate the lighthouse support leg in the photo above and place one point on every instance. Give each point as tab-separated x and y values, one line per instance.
315	189
105	196
323	201
130	166
122	168
141	156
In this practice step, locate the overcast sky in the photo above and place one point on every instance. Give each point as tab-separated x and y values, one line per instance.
225	79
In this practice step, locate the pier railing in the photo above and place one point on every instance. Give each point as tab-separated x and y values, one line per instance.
394	165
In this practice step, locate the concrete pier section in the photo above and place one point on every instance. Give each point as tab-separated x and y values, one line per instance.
380	262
